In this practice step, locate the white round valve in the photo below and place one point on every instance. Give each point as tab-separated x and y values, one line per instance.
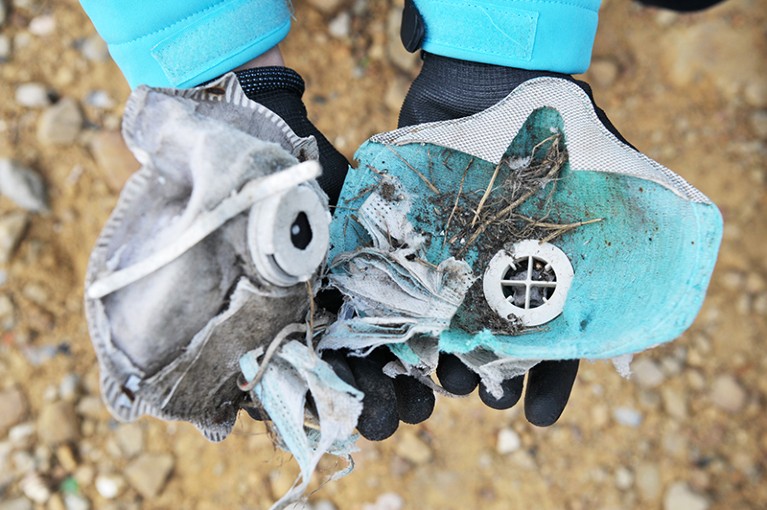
288	236
528	283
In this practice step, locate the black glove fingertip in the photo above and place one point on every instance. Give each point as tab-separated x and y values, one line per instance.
549	384
454	376
512	390
415	401
379	418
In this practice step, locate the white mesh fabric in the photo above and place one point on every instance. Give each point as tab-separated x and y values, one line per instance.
591	146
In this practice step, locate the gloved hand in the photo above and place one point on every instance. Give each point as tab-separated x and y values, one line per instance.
502	183
386	401
449	89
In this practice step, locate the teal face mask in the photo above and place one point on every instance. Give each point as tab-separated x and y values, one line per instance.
532	202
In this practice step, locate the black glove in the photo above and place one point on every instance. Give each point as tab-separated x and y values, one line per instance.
386	400
449	89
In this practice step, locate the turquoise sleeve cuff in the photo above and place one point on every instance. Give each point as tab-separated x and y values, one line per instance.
540	35
183	43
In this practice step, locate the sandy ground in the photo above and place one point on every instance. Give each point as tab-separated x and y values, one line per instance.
686	433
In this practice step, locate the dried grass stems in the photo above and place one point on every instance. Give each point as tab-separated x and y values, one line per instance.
492	212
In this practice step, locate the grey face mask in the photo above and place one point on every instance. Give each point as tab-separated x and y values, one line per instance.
207	254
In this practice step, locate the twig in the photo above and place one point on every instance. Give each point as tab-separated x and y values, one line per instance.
487	192
458	196
565	228
418	173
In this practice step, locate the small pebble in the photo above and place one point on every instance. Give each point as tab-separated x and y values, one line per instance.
13	408
324	504
680	497
21	435
115	161
412	448
109	486
12	228
32	95
7	310
646	373
648	481
624	478
76	502
5	48
340	26
42	25
386	501
58	423
604	72
66	457
149	472
508	441
727	394
674	403
60	124
326	6
627	416
94	48
23	186
35	488
100	99
91	407
130	439
69	388
16	504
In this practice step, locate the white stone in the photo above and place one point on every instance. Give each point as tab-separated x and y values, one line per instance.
727	394
627	416
35	488
5	48
95	49
13	408
32	95
340	26
680	497
76	502
22	185
648	481
412	448
109	486
624	478
42	25
149	473
386	501
674	403
508	441
646	373
60	124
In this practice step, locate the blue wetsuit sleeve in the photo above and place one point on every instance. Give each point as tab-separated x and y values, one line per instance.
540	35
182	43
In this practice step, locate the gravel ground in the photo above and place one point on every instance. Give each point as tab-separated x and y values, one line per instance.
686	432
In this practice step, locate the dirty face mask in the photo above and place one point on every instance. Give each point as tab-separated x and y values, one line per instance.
207	255
525	232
